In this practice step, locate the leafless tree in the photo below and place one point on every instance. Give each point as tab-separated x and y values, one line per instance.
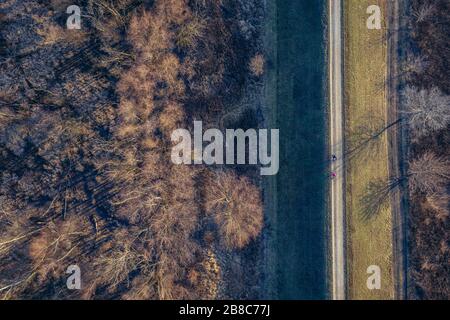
424	12
426	110
440	202
235	204
413	64
114	266
92	186
428	173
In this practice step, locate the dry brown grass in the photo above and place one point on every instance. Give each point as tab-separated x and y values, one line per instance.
369	241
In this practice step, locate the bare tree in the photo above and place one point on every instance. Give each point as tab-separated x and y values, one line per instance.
426	111
441	204
114	266
235	204
91	183
413	64
424	12
428	173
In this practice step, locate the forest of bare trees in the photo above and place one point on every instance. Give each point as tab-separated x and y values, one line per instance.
426	107
85	123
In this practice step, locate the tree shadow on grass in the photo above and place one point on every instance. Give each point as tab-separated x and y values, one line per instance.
376	197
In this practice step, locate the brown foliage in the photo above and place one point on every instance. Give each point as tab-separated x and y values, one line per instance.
205	276
86	175
257	65
235	204
57	246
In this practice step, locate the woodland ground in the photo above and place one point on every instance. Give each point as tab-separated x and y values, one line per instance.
85	173
428	222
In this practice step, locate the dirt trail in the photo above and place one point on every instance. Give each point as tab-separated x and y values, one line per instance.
337	147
